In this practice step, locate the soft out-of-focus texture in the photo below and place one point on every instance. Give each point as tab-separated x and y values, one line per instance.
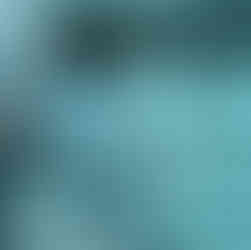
125	125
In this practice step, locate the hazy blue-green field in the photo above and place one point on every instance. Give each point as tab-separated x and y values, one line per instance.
125	126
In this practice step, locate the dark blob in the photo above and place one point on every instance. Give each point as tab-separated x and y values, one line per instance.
94	40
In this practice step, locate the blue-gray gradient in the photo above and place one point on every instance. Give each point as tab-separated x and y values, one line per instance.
125	125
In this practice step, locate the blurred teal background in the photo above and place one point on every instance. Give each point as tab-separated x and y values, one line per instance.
125	125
